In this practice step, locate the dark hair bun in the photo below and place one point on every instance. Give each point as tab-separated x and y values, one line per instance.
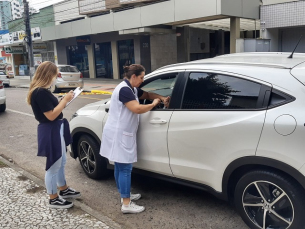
126	68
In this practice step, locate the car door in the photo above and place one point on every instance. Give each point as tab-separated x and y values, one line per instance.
152	133
220	119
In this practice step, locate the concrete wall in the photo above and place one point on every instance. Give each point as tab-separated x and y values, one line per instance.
198	39
167	12
273	35
163	50
270	2
283	15
66	10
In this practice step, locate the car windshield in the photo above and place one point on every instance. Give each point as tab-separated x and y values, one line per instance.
67	69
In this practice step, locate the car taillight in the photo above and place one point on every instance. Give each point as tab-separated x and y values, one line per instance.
59	75
1	85
81	75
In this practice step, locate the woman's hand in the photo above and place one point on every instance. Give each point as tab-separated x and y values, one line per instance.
156	102
68	97
166	100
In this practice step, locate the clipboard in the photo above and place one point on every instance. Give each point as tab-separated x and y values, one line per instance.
76	92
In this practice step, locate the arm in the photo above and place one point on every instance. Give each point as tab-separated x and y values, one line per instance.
53	114
135	107
151	96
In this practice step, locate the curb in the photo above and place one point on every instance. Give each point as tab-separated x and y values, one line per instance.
77	203
101	92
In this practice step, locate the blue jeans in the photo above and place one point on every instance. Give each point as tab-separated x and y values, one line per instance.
122	174
55	175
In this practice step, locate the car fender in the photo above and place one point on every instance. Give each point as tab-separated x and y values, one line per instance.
239	167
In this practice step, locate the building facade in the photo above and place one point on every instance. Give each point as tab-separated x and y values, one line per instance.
283	22
14	44
101	36
5	14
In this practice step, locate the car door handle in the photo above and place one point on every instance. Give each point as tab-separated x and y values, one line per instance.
157	121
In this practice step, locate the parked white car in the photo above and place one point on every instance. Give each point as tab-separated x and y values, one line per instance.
69	77
2	98
234	127
5	79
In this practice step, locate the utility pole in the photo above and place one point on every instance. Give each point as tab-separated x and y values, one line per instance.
28	37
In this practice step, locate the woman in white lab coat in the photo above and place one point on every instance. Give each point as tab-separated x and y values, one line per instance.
120	131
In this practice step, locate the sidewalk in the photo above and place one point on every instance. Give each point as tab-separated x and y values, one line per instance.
90	85
24	205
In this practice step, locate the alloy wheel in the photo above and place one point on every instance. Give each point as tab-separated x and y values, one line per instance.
267	205
87	157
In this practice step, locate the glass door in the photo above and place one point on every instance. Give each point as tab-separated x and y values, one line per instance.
103	60
126	55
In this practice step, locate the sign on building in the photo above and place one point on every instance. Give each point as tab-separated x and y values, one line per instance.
13	50
83	40
37	59
39	47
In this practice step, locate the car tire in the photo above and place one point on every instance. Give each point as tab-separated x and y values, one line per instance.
54	89
2	107
93	164
282	204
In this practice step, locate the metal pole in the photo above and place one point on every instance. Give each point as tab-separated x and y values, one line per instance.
28	37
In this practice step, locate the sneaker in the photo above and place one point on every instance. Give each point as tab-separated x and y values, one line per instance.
60	203
132	208
69	193
133	197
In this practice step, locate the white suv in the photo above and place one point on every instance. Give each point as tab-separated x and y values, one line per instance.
2	97
234	127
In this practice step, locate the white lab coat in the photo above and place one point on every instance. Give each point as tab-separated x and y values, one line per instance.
119	139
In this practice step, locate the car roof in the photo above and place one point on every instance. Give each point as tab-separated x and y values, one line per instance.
257	59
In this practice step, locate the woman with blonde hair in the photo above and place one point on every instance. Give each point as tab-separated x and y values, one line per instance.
53	133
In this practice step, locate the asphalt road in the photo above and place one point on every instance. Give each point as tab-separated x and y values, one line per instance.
167	205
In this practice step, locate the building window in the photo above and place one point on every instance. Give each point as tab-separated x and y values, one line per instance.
78	57
126	55
103	60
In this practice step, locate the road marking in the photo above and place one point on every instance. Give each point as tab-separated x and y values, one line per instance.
19	112
84	97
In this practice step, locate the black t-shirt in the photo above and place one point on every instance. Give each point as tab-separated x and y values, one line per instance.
126	95
42	101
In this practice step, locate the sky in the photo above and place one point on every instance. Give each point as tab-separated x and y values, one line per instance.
38	4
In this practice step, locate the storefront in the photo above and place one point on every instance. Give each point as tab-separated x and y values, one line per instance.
78	56
126	54
103	60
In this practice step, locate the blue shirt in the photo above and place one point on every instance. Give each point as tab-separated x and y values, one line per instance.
126	95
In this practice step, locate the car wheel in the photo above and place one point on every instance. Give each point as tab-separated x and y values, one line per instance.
267	199
54	89
94	165
2	107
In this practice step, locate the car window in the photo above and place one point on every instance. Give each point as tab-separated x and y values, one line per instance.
217	91
68	69
2	73
163	85
278	98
